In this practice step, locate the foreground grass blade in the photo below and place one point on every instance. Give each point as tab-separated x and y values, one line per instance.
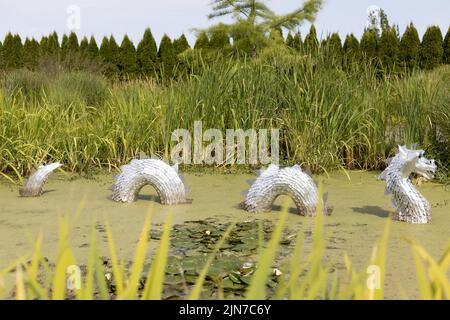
257	287
155	279
138	262
116	266
65	259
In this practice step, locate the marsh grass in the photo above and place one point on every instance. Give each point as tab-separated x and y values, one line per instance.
330	117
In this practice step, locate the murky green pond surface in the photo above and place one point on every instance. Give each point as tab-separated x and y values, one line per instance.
359	216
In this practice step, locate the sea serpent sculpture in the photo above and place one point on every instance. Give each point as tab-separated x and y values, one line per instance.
35	183
139	173
290	181
411	206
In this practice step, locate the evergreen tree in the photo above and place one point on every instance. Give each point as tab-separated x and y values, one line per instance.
104	49
220	39
64	45
351	47
18	51
388	49
431	48
12	52
297	43
53	47
254	20
202	41
181	44
335	44
113	51
43	44
311	43
447	47
69	45
127	57
384	22
109	52
147	54
84	45
290	40
369	45
409	48
31	53
92	48
1	56
276	37
72	44
167	57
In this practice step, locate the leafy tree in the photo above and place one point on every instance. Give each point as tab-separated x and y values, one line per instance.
447	47
12	52
31	53
167	57
388	49
311	42
220	39
253	20
431	48
127	57
351	47
181	44
374	23
369	45
147	54
379	23
409	48
202	41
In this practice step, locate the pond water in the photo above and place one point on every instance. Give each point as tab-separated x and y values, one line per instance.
359	216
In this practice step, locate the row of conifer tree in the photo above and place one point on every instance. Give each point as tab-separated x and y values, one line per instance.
391	50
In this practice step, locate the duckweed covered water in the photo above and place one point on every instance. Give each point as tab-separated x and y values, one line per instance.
357	222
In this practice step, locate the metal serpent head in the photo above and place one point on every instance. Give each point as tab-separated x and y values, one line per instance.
415	162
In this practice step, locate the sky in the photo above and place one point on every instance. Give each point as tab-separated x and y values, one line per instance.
35	18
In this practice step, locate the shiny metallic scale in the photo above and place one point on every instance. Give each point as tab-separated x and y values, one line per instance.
276	181
139	173
35	183
411	206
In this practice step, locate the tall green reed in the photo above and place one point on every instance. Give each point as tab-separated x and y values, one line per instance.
330	117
